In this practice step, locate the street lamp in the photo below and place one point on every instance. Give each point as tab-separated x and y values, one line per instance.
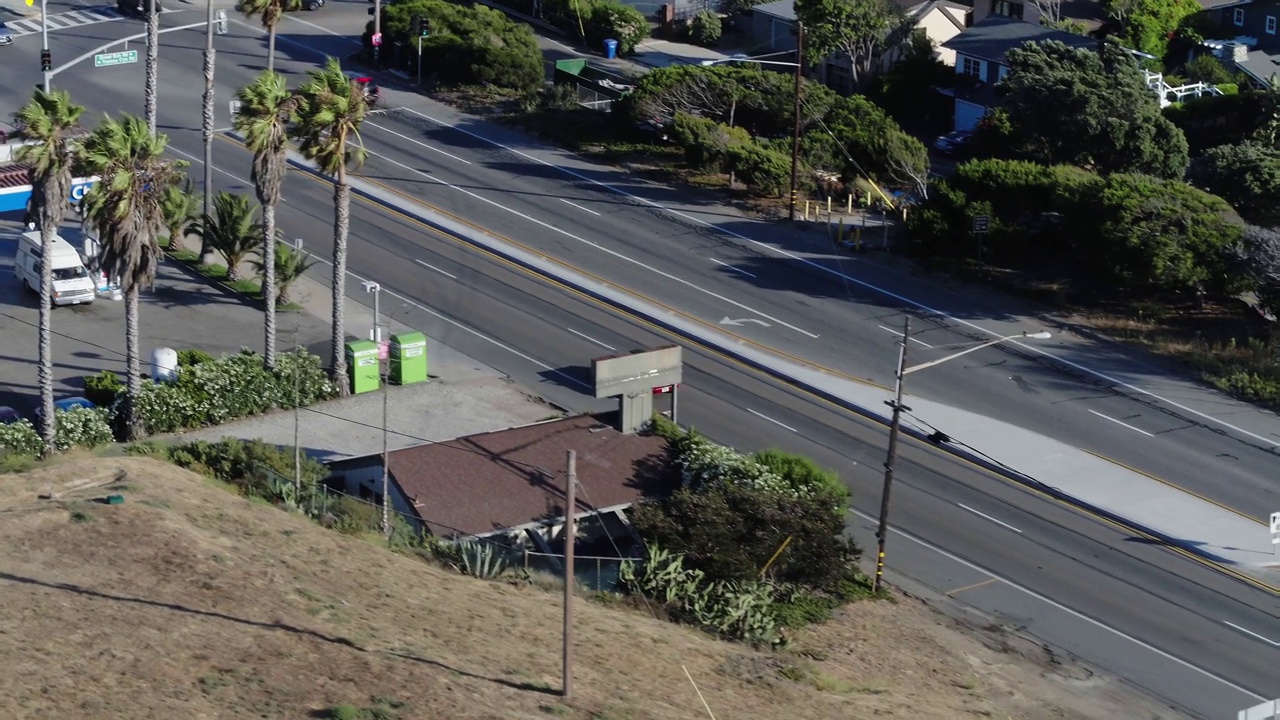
795	131
895	425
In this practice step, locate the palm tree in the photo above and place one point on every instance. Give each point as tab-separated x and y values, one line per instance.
179	206
270	11
124	209
330	110
266	109
50	119
290	265
232	230
153	62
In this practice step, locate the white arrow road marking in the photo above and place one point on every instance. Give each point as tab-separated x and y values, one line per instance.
730	321
1251	633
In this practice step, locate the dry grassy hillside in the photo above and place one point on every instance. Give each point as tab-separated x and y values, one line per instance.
188	602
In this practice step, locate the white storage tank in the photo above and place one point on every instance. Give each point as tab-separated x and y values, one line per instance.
164	364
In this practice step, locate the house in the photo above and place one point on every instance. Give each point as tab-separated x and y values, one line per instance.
1087	13
510	484
772	25
981	60
1255	47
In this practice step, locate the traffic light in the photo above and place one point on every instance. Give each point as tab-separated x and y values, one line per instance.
370	11
220	26
46	61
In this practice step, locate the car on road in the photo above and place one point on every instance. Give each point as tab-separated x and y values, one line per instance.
6	37
8	415
953	142
371	91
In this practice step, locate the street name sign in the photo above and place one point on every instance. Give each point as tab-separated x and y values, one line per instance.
115	58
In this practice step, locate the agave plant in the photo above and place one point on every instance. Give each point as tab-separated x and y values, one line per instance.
482	560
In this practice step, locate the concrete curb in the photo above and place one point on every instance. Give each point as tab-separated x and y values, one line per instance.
761	361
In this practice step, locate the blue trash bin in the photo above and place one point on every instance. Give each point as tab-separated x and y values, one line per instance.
611	49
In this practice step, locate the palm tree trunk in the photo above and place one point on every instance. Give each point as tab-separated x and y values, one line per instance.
341	222
48	423
153	60
133	429
271	48
269	283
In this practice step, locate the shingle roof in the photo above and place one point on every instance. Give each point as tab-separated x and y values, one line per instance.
481	483
996	35
781	9
1262	65
15	175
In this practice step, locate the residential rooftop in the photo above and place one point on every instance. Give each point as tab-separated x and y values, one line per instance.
994	36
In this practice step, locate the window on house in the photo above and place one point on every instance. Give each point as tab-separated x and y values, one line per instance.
1271	24
1001	72
971	67
1007	9
1237	17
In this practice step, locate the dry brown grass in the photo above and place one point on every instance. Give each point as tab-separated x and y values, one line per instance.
187	601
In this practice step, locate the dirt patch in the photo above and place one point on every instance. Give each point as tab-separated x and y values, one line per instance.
188	601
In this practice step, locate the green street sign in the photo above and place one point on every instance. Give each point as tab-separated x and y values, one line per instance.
115	58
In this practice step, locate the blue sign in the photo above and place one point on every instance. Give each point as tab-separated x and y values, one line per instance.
16	198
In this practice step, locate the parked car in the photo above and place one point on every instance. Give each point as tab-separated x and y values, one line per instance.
6	37
953	142
8	415
371	91
71	403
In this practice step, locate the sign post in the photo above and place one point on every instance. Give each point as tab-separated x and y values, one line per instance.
1275	532
981	224
115	58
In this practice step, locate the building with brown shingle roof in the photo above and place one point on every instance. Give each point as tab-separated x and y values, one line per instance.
511	482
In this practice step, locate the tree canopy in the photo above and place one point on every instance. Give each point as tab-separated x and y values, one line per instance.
861	29
1086	108
1246	175
1147	25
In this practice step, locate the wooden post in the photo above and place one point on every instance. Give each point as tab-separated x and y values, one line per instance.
570	533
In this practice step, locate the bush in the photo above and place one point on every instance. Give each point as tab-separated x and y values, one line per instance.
103	389
612	20
706	143
252	466
82	427
705	28
20	438
192	356
761	167
1208	69
229	388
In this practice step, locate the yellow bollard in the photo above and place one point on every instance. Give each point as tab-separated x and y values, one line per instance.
806	210
857	243
848	208
828	206
840	232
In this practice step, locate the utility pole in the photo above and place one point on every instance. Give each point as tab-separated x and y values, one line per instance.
207	127
297	448
377	30
895	427
570	534
386	472
795	131
46	58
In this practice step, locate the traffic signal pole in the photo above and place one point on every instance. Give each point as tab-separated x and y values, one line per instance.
46	57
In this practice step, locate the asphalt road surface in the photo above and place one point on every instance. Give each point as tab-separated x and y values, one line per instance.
1204	642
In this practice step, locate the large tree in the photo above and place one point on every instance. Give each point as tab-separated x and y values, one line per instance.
50	120
1064	105
1246	175
232	229
270	11
861	29
125	211
330	110
1147	25
267	107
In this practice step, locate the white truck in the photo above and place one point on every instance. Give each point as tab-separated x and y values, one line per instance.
72	284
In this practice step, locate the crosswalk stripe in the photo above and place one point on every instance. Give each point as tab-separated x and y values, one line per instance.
74	18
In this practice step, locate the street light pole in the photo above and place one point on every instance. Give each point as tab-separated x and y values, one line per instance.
895	426
44	36
895	429
207	114
377	30
795	132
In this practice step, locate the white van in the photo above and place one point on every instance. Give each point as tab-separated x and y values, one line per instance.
72	284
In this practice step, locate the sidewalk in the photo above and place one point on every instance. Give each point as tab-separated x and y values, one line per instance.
1238	544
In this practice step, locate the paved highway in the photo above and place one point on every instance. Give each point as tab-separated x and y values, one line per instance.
1157	618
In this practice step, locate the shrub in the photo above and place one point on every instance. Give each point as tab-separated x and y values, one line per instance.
761	167
20	438
353	517
252	466
707	144
103	389
801	472
82	427
705	28
211	392
192	356
612	20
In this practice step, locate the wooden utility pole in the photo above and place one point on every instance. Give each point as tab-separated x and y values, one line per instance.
895	428
795	130
570	534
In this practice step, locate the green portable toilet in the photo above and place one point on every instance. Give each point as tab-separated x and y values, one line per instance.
362	365
408	354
